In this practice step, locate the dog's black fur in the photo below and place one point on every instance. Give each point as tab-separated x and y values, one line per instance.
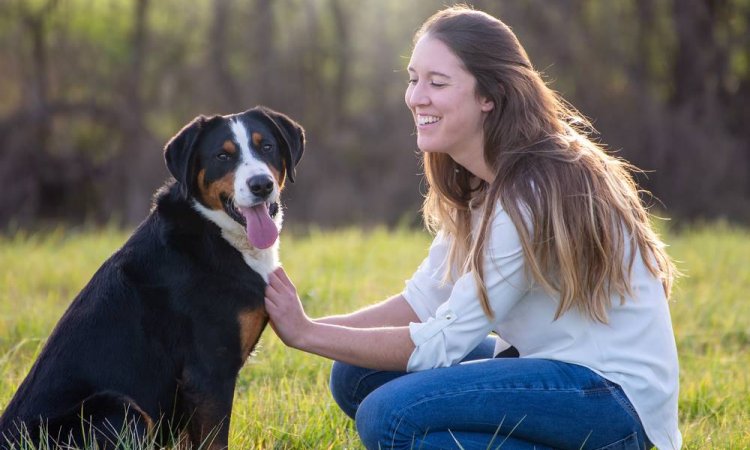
157	337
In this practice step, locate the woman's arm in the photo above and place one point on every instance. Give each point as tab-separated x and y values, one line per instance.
383	348
374	348
393	312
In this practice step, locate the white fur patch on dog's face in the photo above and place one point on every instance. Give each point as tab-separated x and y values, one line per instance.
249	166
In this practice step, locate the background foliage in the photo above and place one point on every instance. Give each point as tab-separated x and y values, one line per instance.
90	90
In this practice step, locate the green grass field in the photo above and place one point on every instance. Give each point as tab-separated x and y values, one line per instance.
282	399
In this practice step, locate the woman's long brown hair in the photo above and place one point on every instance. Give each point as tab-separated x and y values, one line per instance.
576	208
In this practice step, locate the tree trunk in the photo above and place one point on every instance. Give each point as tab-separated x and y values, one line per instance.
140	168
225	83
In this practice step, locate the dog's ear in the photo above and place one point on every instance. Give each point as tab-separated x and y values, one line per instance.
179	152
291	136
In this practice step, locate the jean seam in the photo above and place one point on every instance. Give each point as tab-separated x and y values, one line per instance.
624	402
355	389
596	390
438	395
399	417
621	441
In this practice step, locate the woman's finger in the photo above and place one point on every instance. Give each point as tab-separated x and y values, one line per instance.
272	291
278	287
273	279
280	284
281	273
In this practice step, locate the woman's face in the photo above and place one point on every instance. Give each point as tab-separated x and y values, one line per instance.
442	98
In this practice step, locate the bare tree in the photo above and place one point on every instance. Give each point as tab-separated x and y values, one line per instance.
217	42
135	170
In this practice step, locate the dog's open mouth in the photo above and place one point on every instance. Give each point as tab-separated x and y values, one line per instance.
257	220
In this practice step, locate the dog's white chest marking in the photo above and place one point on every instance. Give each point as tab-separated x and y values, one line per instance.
262	261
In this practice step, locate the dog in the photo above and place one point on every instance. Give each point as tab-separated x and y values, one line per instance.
155	341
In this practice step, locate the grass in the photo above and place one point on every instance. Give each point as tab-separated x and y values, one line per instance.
282	400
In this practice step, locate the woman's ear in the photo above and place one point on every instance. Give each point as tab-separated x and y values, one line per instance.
486	104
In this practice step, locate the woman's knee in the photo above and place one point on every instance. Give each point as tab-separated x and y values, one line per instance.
351	384
391	417
343	385
374	421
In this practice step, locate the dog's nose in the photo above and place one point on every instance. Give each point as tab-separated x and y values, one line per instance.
260	185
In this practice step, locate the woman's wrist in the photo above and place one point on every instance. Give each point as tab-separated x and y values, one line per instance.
304	330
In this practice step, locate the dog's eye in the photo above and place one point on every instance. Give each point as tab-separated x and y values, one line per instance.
224	156
267	147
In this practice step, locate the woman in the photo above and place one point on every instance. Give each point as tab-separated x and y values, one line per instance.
541	238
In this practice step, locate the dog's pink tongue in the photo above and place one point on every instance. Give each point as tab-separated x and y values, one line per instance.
261	231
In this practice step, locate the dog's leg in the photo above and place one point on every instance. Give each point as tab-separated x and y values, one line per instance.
107	418
207	404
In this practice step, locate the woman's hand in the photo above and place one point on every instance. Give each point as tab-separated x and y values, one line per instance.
383	348
288	318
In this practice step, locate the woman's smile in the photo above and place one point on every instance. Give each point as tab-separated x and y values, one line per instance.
423	121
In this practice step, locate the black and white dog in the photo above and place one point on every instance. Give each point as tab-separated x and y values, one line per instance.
156	339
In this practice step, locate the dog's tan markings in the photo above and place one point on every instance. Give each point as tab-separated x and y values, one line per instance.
229	147
251	323
208	427
278	175
150	425
212	192
207	424
257	138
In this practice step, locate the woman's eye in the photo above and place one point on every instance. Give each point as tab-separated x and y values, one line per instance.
412	81
436	84
223	156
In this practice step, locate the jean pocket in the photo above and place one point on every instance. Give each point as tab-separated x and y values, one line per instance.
629	443
623	400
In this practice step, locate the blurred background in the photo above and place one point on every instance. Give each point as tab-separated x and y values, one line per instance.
91	90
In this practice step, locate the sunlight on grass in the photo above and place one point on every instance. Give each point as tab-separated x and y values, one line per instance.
282	398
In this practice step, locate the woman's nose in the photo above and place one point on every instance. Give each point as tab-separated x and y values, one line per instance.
416	95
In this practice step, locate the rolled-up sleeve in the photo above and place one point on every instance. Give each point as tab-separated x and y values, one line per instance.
459	324
426	290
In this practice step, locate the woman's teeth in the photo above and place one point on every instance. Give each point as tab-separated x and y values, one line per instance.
426	120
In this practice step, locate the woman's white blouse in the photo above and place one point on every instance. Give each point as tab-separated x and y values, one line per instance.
636	349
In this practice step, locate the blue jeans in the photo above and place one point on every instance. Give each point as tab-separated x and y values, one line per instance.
508	403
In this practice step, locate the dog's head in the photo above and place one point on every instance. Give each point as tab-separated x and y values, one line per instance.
234	168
